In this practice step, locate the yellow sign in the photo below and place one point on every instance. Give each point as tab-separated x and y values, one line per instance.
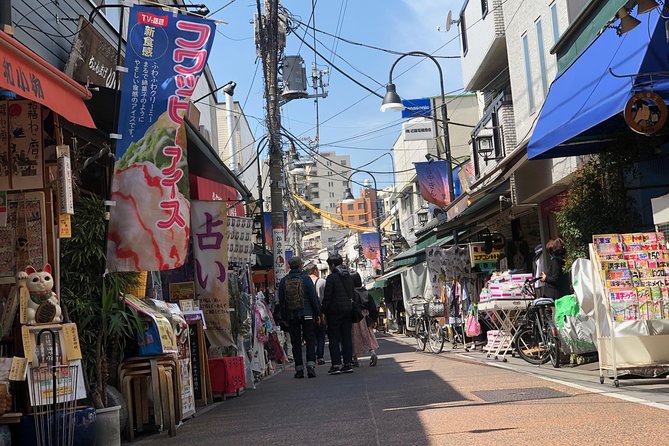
64	226
17	372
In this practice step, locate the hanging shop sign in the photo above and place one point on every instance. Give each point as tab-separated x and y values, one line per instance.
150	221
31	77
21	145
92	59
371	248
645	112
417	108
210	249
279	247
486	261
432	180
418	130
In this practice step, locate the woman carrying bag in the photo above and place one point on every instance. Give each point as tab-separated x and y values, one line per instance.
364	339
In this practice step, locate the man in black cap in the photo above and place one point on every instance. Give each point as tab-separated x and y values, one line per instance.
337	307
299	308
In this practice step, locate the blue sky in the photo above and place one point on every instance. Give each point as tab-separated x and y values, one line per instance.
349	110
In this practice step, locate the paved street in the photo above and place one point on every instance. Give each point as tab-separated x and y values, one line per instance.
414	398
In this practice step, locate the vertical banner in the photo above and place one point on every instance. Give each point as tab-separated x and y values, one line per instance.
433	182
434	259
25	143
240	243
165	57
4	146
210	249
371	248
279	246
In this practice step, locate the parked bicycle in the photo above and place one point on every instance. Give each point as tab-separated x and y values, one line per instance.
537	340
428	329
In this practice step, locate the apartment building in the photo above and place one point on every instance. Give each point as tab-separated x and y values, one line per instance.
244	143
363	211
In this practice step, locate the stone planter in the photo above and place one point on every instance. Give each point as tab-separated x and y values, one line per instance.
108	427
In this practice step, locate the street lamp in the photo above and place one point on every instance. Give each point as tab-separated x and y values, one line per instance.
349	199
392	101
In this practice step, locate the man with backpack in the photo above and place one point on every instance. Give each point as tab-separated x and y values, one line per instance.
299	309
338	308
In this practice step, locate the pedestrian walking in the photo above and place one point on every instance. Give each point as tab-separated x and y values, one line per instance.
337	308
299	308
321	326
364	339
555	278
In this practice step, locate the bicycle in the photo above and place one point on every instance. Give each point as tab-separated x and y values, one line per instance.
537	340
428	329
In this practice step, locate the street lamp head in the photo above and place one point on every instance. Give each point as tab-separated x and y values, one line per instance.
348	197
229	88
391	101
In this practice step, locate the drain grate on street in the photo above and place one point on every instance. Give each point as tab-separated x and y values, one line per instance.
524	394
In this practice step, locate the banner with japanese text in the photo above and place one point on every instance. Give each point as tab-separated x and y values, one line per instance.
150	221
210	250
432	179
371	248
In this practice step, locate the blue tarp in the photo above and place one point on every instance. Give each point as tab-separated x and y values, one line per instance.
585	102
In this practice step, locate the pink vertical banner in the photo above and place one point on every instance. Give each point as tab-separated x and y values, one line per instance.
210	249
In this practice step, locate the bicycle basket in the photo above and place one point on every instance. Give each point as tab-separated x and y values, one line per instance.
436	309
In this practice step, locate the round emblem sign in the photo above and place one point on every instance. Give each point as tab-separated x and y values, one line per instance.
646	112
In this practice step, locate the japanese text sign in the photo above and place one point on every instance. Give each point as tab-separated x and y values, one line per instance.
150	223
433	182
210	249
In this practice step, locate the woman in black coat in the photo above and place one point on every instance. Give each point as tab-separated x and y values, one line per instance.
556	280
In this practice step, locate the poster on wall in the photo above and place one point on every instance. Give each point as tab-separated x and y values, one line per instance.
210	248
23	240
240	240
150	223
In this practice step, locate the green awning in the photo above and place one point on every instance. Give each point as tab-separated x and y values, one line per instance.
381	281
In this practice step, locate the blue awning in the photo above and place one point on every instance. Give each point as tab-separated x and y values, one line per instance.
583	108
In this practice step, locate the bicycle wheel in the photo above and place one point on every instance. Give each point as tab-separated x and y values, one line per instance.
436	337
553	341
530	347
421	334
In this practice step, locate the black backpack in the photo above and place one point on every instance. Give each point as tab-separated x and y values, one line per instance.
294	293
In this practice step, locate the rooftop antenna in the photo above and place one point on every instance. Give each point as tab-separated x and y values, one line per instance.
449	22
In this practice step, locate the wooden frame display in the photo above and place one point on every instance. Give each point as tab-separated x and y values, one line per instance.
24	240
199	364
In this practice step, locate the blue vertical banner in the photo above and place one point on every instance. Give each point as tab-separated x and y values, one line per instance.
149	226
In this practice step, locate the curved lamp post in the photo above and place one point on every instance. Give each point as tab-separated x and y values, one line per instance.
349	199
392	101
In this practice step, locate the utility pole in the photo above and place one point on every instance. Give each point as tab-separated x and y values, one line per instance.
268	40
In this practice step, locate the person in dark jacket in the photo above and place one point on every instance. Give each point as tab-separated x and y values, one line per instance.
556	280
337	308
301	322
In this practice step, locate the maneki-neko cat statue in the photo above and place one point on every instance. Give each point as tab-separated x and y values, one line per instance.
43	305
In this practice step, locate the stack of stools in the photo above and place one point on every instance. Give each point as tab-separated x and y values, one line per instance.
156	376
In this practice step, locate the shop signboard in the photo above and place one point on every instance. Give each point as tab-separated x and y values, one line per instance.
240	242
93	58
417	108
418	130
25	145
210	249
182	290
149	226
371	248
279	245
479	257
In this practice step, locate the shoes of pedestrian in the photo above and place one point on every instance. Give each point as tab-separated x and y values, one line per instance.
299	374
347	369
334	370
373	360
311	372
320	361
356	363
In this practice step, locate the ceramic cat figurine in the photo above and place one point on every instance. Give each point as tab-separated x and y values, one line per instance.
43	304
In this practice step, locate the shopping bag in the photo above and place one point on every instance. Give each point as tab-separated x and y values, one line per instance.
473	327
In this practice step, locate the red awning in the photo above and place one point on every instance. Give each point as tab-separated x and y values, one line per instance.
28	75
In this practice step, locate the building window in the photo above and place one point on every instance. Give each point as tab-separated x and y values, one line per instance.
349	207
332	194
556	26
542	57
330	173
463	33
361	205
329	163
343	162
484	8
351	218
528	72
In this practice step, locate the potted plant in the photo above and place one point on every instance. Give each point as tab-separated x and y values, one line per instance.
93	301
